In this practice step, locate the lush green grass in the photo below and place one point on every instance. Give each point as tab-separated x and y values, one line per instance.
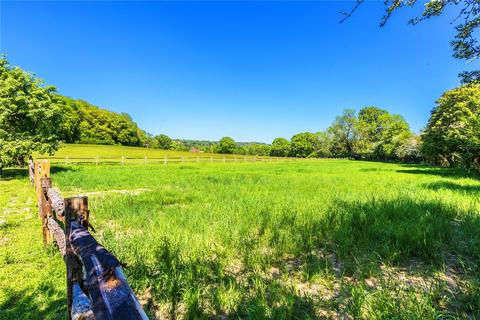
32	278
307	239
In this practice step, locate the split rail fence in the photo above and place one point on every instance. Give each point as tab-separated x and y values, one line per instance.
96	286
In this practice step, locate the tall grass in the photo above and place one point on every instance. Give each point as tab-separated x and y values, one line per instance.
290	240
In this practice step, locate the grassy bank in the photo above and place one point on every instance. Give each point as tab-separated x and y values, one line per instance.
321	239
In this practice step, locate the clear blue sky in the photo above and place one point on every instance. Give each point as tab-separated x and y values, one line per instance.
250	70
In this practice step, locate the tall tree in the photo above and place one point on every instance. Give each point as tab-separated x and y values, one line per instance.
452	135
324	144
371	124
344	134
30	116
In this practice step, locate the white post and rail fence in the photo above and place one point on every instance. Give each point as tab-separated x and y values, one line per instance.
166	159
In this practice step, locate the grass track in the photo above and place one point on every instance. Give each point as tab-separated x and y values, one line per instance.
322	239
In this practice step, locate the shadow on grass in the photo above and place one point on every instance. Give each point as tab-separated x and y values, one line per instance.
469	189
13	174
201	288
22	173
57	169
395	231
24	304
362	235
440	172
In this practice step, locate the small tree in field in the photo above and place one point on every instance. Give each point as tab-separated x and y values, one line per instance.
30	117
303	144
164	141
280	147
226	145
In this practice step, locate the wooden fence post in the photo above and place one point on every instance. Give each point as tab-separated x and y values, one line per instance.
145	160
96	160
42	169
123	160
165	159
45	207
35	174
211	159
223	159
75	208
31	171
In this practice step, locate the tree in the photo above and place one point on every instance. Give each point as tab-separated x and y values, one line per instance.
303	144
396	132
177	146
324	144
151	141
452	135
87	123
280	147
408	149
226	145
371	124
343	133
467	77
30	116
465	44
163	141
70	126
380	133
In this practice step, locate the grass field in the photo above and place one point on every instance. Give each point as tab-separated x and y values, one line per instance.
84	153
287	240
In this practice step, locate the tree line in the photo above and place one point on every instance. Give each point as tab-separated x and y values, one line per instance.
372	134
34	117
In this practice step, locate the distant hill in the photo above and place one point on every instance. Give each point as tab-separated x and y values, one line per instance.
86	123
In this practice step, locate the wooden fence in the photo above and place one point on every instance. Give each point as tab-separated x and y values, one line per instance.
167	159
96	286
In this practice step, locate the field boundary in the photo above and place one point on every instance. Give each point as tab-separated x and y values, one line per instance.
167	159
97	289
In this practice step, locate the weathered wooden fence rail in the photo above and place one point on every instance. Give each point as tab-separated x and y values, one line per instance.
96	286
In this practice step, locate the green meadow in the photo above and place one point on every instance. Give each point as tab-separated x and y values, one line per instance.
319	239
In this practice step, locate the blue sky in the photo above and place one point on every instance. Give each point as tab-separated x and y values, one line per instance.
250	70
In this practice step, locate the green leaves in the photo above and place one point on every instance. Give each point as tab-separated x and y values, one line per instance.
452	135
30	117
280	147
226	145
303	144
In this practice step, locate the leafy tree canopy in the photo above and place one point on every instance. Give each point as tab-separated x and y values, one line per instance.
303	144
86	123
30	116
226	145
452	135
280	147
343	132
164	141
